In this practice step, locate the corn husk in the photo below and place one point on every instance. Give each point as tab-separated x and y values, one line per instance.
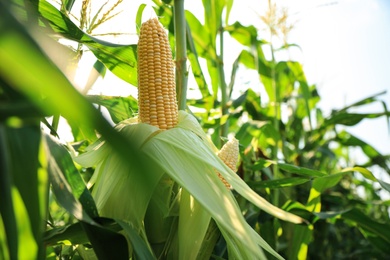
113	181
187	155
194	220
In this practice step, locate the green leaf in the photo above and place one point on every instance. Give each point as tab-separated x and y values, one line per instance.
82	133
4	251
68	4
10	238
140	248
348	139
233	76
99	67
138	18
381	230
350	119
384	185
214	77
201	37
246	35
106	243
120	59
364	101
67	183
253	104
27	244
299	75
298	249
120	108
261	164
318	187
258	62
329	214
75	232
366	173
229	5
195	65
248	59
23	186
326	182
165	13
375	157
193	219
19	109
279	183
300	170
60	163
213	18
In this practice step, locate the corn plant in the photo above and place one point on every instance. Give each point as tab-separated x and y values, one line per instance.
157	185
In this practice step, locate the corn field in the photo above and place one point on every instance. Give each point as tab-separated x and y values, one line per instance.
221	174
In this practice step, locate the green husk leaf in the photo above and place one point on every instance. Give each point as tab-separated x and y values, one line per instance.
366	173
170	150
194	220
186	154
159	220
190	161
189	123
114	181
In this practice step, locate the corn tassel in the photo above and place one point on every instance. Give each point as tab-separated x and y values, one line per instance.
229	155
156	79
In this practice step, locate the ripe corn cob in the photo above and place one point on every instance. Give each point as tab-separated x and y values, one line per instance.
156	79
229	155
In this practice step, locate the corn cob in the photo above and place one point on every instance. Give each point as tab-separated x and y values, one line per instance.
156	79
229	155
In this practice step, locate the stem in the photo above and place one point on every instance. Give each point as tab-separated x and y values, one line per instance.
6	205
275	121
224	90
54	124
181	53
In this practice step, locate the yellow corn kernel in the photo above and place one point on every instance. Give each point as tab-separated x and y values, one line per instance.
229	155
156	79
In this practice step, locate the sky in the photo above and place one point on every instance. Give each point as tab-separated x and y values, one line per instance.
344	49
345	52
348	58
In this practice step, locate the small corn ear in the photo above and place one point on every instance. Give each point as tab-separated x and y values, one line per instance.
156	79
229	155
